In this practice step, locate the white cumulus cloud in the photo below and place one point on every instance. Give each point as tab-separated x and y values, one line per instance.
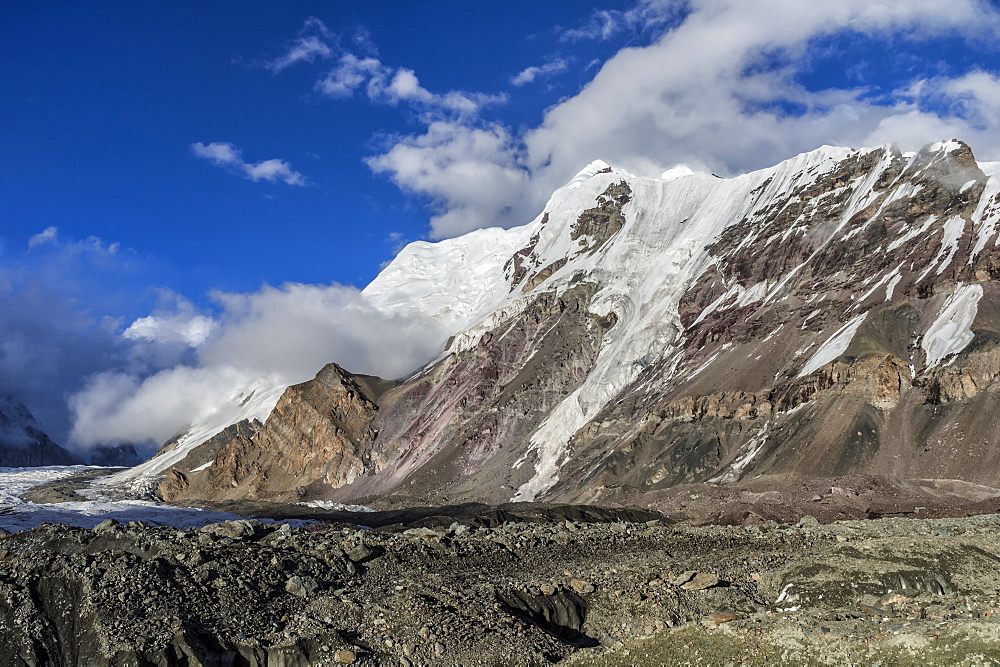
311	44
529	74
473	172
398	85
350	73
48	235
276	336
718	90
225	154
192	331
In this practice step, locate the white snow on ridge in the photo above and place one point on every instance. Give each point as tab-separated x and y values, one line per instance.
834	346
945	146
951	331
588	172
679	171
669	225
253	402
453	282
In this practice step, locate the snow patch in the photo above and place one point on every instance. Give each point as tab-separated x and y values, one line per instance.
773	333
891	278
986	216
835	345
892	283
951	331
748	452
951	232
705	365
912	232
332	506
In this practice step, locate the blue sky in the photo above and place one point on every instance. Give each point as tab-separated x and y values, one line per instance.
175	173
102	103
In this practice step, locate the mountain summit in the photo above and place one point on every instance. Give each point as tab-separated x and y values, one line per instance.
835	313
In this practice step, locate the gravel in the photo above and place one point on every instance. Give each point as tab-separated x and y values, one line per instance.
621	592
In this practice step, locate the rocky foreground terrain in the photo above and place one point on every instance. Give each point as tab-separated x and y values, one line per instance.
514	584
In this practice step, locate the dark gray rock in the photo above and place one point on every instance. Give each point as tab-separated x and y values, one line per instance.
303	586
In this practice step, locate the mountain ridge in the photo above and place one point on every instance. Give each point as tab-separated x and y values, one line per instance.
22	440
659	331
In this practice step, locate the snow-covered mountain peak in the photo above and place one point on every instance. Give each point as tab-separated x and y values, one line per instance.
591	170
17	424
22	441
14	412
949	146
650	331
677	171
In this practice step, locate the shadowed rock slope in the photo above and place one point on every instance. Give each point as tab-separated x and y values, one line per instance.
22	441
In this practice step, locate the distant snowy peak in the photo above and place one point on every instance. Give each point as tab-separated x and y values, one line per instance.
18	428
588	172
22	441
14	414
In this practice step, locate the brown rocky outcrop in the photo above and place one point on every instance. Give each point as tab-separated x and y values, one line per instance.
596	225
318	433
176	484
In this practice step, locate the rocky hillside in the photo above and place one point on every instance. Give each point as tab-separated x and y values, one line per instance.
318	434
834	314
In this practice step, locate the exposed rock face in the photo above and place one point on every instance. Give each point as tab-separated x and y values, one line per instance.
596	225
22	441
191	470
834	314
319	433
461	426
